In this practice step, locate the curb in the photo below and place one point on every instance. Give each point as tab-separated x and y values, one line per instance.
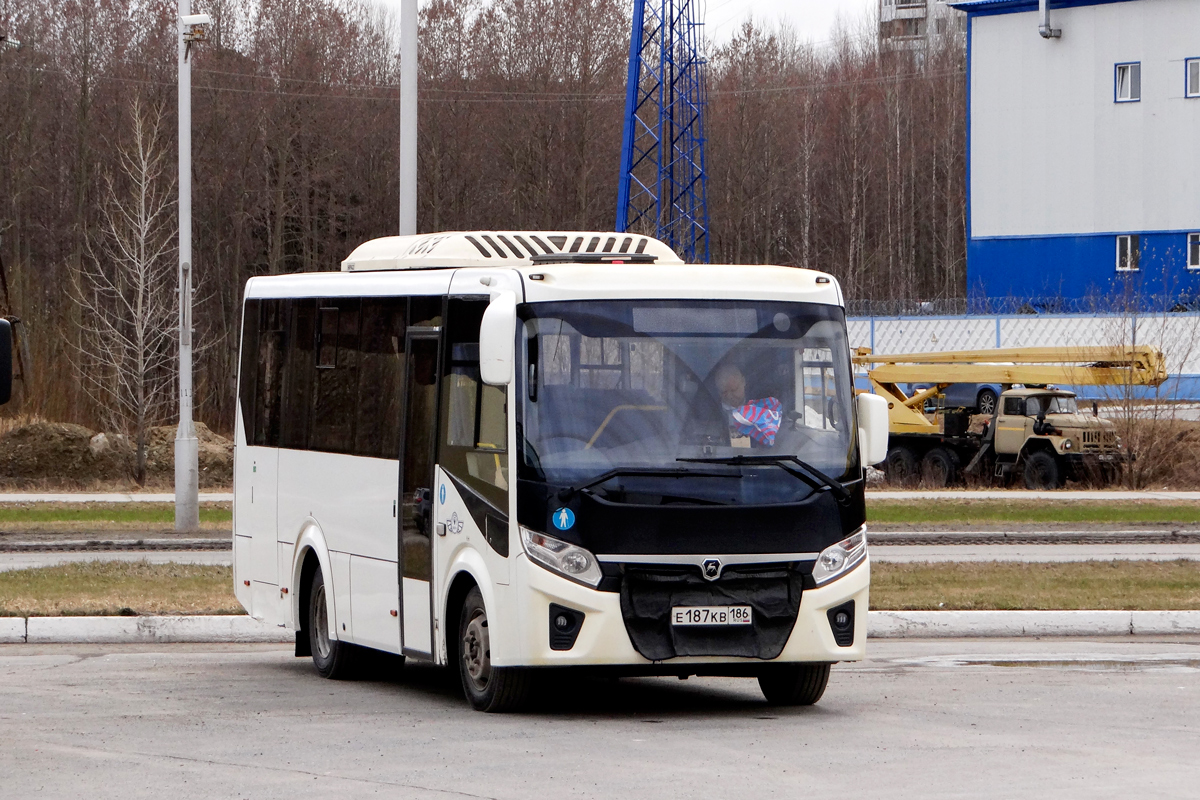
881	625
991	624
135	630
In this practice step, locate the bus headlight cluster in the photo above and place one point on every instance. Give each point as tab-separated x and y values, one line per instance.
568	560
838	559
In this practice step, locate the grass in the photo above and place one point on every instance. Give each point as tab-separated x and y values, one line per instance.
990	511
1115	585
115	588
105	516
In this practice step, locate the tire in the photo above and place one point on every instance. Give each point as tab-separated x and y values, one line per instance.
794	684
496	690
332	658
1042	471
985	403
939	468
901	466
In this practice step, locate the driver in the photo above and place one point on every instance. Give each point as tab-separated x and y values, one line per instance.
757	419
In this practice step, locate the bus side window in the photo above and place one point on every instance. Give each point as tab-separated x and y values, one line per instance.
248	371
474	415
380	378
300	369
335	407
269	390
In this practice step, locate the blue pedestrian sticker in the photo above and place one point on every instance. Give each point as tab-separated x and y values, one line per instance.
442	494
564	519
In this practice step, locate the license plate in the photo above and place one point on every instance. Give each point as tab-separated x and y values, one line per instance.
710	615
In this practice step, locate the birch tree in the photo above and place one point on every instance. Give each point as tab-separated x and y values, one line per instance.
125	289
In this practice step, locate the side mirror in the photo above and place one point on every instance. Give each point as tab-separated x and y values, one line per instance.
6	359
872	428
497	337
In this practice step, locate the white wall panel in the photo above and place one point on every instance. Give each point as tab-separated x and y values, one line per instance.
1064	331
1178	335
1052	154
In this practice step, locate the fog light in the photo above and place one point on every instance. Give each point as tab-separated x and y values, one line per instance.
841	621
565	625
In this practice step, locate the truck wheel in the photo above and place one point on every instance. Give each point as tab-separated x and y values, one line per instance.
986	402
1042	471
939	468
901	466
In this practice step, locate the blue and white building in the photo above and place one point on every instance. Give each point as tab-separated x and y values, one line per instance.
1083	152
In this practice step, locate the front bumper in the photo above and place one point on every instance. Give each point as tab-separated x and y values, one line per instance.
604	641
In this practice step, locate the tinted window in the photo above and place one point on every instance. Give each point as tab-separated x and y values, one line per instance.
380	377
1014	406
299	372
248	370
268	400
335	407
327	374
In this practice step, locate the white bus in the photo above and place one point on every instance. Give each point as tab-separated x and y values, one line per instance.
515	451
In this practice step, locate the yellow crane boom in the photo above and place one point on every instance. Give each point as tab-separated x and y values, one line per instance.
1139	365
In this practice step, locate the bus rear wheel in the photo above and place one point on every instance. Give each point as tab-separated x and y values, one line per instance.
332	658
491	689
794	684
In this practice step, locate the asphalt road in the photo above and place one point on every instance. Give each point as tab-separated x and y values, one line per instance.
1063	719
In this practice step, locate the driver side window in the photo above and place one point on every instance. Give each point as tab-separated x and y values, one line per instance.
1014	407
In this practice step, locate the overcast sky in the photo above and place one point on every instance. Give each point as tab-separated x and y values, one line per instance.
812	19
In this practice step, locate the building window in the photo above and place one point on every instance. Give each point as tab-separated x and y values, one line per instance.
1192	71
1193	260
1129	83
1127	252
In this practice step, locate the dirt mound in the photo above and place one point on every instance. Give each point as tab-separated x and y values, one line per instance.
48	453
216	456
62	451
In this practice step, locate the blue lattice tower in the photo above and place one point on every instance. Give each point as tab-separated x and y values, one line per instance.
664	186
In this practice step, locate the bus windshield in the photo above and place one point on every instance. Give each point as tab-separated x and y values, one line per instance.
638	389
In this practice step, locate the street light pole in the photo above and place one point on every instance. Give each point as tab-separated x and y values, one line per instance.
187	447
408	117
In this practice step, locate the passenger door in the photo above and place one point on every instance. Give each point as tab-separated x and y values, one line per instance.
1010	426
416	492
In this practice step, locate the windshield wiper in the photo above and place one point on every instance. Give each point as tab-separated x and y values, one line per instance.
807	472
645	472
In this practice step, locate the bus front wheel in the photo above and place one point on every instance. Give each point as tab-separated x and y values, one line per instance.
794	684
488	688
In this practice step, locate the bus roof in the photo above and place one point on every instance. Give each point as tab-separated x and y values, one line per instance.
501	249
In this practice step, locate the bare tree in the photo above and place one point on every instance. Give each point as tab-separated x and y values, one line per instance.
125	289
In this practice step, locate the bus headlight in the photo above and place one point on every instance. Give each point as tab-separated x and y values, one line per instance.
838	559
568	560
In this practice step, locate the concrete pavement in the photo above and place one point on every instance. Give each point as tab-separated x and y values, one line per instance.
1066	719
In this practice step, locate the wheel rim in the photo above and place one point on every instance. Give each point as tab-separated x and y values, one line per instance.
987	403
476	652
320	624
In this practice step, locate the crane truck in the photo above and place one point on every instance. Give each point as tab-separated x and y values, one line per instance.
1036	431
